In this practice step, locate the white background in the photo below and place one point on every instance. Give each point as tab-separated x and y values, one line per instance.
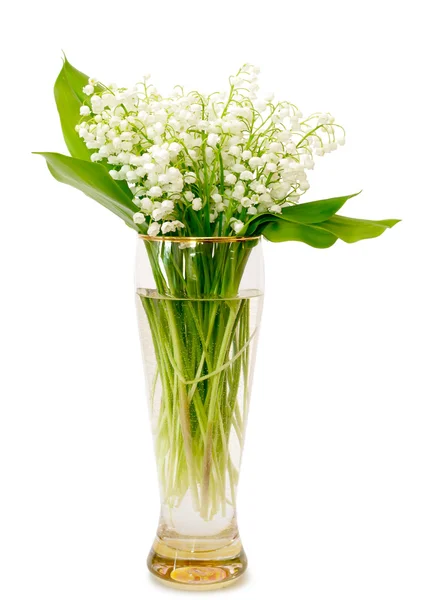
331	497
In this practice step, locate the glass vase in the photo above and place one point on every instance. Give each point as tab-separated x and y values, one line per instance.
199	304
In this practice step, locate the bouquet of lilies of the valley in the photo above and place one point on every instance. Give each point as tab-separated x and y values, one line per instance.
223	164
217	166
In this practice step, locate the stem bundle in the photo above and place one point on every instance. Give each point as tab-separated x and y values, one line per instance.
201	332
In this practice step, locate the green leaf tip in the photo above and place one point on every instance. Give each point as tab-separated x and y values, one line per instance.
316	211
69	99
354	230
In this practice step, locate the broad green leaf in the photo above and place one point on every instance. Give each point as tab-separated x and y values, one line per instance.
316	224
354	230
69	99
315	212
94	180
307	213
285	231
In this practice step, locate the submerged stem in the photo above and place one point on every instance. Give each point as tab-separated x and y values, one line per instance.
202	338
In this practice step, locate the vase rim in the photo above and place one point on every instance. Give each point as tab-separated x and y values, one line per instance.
182	240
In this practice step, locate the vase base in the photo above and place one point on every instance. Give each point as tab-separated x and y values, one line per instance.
201	569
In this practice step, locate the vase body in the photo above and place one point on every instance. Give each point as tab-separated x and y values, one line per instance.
199	303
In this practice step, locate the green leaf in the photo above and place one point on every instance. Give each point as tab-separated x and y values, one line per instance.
285	231
315	212
315	224
324	234
69	99
257	224
94	180
353	230
307	213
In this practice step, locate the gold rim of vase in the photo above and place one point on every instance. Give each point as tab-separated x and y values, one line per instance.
183	240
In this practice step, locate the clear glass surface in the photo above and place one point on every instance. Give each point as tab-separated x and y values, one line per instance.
199	306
